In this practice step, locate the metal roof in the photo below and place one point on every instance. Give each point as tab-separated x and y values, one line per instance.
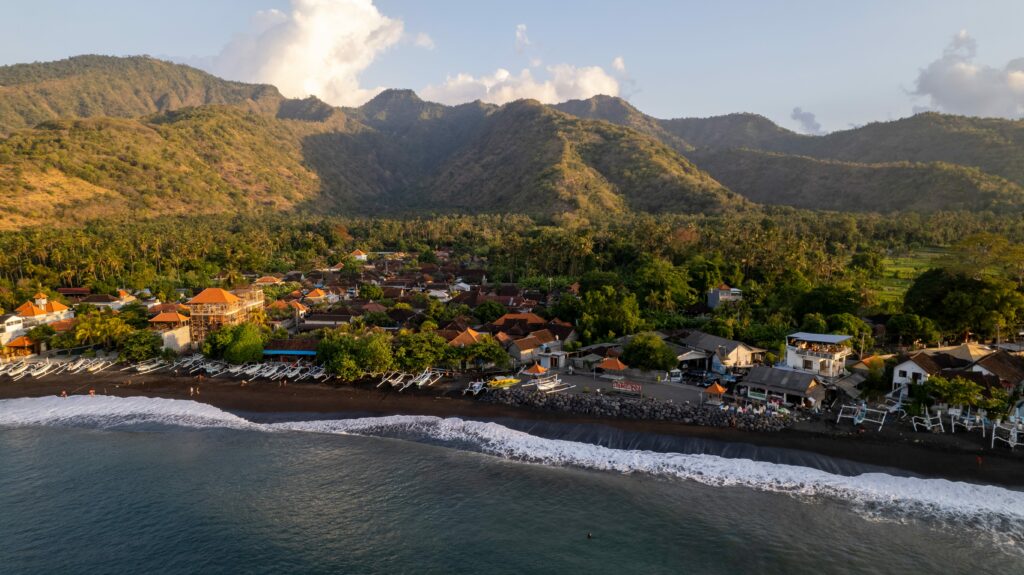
818	337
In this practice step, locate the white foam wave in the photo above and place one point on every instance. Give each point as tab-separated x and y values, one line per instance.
993	509
112	412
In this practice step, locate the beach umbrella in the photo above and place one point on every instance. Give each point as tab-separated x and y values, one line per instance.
536	369
611	364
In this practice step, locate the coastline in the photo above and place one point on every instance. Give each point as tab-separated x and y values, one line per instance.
952	457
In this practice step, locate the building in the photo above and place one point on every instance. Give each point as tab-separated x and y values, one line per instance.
785	385
723	352
359	255
12	326
174	330
822	354
723	294
40	310
122	299
214	308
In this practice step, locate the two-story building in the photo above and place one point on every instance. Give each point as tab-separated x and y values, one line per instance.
42	310
723	294
214	308
822	354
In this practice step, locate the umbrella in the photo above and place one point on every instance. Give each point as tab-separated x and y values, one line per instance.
611	364
536	369
716	389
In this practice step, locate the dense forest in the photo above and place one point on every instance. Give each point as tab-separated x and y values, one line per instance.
810	270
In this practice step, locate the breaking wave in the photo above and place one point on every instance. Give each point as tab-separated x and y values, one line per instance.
993	509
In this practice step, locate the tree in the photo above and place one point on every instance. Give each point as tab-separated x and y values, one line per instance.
489	311
140	345
647	351
608	313
487	351
371	292
814	323
418	351
246	346
955	391
41	333
829	300
662	286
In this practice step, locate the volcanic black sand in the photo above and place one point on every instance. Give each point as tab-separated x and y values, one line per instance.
963	456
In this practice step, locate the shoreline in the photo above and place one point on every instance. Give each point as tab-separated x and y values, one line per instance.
946	456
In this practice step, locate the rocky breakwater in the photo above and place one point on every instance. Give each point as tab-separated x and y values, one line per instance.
598	405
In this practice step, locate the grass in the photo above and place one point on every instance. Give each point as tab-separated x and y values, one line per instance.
900	271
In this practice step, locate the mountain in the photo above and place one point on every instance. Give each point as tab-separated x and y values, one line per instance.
804	182
926	163
91	86
144	137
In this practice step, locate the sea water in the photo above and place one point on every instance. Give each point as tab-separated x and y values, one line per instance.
142	485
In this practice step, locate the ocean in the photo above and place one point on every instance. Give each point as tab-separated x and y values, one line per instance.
140	485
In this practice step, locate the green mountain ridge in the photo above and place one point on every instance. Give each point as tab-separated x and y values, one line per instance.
95	136
246	149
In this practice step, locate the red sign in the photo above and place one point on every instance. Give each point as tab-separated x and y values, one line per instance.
628	387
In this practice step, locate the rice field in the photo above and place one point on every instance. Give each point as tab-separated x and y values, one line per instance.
902	269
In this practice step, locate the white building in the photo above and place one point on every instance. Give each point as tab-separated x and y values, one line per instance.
12	325
723	294
822	354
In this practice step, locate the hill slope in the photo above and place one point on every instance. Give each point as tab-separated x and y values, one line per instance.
928	162
92	86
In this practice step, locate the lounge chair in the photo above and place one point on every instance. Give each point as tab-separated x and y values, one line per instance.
966	420
928	421
1008	433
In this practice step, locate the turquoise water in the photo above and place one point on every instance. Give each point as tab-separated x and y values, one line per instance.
159	486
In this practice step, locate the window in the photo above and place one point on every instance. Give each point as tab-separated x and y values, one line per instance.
903	373
808	364
916	377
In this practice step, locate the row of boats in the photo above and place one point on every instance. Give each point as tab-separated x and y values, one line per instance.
273	371
38	369
547	384
401	381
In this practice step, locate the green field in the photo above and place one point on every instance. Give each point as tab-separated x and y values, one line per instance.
901	270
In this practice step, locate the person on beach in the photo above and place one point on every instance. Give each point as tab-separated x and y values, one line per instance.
64	393
92	392
197	390
191	391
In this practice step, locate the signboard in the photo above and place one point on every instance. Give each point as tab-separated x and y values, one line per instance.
628	387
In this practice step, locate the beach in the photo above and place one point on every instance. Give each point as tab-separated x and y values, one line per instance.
962	457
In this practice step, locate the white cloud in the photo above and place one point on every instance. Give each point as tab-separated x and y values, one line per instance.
564	82
522	40
808	123
319	48
618	64
423	40
955	83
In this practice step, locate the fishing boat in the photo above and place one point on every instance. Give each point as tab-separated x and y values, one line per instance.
502	382
475	387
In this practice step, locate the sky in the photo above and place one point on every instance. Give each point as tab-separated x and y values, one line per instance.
811	66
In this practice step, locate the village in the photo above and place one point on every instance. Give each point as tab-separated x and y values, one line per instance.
443	327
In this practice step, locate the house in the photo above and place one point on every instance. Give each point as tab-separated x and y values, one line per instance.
1007	367
20	346
723	294
267	281
525	349
74	295
174	330
12	326
122	299
314	321
40	309
917	367
316	296
359	255
786	385
214	308
724	352
466	337
819	353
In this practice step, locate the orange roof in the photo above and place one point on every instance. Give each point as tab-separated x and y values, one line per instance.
278	304
503	337
29	309
63	325
317	293
39	295
536	369
214	295
467	337
21	341
357	253
531	318
267	280
298	306
611	364
54	306
716	389
169	317
123	294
